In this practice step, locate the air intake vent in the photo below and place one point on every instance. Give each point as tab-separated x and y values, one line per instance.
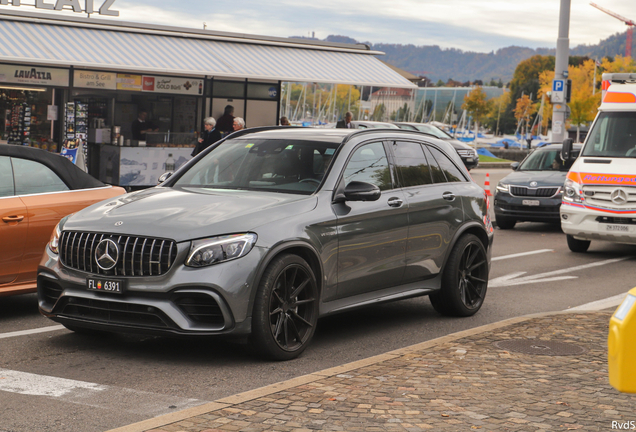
135	256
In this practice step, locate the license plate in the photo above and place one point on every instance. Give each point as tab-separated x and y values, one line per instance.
617	228
531	202
115	286
470	160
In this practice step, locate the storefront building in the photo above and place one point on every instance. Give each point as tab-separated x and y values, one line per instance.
68	81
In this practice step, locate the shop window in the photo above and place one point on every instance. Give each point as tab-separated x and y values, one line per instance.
23	117
33	178
266	91
228	89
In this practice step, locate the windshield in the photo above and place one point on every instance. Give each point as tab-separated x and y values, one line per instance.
274	165
613	135
546	160
432	130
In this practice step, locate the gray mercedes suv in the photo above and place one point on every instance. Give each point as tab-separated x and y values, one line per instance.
270	229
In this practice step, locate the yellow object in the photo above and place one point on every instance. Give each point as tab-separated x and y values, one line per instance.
621	344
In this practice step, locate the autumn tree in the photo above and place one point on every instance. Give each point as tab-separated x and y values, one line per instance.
477	105
584	101
523	112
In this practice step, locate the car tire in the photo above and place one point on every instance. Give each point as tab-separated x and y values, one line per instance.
505	222
285	309
464	279
579	246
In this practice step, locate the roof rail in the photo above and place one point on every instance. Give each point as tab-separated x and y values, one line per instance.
620	77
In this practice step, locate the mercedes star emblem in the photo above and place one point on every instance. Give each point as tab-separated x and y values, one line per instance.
533	183
106	254
120	223
619	196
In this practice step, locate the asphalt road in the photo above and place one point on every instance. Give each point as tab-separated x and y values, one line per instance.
58	380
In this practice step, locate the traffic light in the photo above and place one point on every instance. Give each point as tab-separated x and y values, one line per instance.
568	90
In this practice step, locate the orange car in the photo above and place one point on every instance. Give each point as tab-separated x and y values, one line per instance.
37	189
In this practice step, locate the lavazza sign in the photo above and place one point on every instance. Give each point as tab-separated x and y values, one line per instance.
74	5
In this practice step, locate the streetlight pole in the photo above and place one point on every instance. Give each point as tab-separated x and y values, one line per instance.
559	111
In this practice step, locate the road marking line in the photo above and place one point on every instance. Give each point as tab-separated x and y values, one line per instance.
91	394
600	304
522	254
32	331
515	279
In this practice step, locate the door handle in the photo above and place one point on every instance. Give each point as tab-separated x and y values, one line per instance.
448	196
395	202
9	219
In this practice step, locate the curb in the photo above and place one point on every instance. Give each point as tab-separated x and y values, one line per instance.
494	165
249	395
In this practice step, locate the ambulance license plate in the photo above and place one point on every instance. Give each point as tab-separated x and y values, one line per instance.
617	228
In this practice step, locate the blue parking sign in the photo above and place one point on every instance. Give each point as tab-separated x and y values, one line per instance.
558	85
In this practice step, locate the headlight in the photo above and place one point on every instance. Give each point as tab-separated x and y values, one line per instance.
214	250
572	192
503	187
54	242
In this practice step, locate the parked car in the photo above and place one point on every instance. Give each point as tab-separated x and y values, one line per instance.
37	189
533	192
271	229
467	153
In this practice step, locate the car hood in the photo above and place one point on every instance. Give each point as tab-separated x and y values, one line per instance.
189	213
543	178
458	144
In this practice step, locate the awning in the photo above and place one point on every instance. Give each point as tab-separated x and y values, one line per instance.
102	48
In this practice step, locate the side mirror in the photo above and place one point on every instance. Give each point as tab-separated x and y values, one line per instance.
566	150
163	177
361	191
514	166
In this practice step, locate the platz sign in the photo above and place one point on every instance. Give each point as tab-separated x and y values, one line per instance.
74	5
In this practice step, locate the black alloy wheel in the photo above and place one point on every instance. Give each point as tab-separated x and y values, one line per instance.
285	309
465	279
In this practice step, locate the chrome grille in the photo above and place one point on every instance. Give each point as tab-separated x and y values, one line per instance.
601	196
138	256
524	191
466	153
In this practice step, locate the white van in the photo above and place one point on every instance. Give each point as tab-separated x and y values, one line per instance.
599	199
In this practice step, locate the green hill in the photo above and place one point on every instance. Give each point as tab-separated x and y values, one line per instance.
437	63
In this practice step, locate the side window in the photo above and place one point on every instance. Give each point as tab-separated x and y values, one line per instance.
452	173
369	164
436	172
32	178
6	177
412	164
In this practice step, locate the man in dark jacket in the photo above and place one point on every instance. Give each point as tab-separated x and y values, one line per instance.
346	123
226	121
209	136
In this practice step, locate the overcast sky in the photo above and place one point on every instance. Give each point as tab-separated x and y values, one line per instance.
469	25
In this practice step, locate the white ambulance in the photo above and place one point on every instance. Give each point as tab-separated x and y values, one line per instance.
599	197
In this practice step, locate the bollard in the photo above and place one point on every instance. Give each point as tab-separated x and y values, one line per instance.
621	344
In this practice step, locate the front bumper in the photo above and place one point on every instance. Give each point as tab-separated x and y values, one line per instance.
585	223
470	162
513	207
214	300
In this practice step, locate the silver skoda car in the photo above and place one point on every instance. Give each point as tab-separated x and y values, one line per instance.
268	231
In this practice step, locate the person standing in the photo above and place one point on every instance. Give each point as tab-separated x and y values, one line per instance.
238	124
209	136
346	123
140	126
225	123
